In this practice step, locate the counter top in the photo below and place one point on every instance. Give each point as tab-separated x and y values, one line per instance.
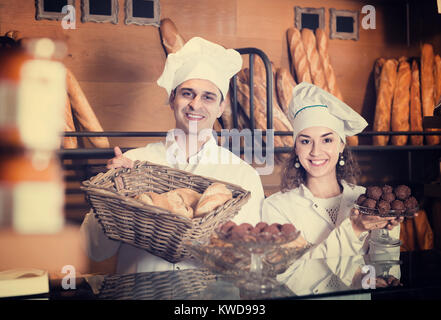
414	276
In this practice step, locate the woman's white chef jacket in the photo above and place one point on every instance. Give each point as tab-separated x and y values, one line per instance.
298	207
204	163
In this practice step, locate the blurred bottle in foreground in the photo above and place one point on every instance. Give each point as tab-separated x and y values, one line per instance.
32	98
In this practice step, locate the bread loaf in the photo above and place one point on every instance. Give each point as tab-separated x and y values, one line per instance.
213	197
416	118
427	86
384	101
84	112
315	65
69	126
437	75
299	62
284	86
171	39
145	197
322	47
401	103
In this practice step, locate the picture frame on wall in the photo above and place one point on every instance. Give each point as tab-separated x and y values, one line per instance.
142	12
100	11
343	24
51	9
311	18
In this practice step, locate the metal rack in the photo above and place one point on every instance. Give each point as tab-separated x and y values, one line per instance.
94	153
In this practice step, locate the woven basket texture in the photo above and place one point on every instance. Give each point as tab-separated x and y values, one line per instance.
159	231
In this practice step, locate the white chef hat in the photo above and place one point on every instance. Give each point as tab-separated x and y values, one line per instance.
312	106
200	59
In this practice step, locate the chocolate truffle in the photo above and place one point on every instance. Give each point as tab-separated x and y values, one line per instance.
361	199
226	228
261	225
397	205
402	192
387	189
370	203
374	192
288	229
411	203
389	197
383	207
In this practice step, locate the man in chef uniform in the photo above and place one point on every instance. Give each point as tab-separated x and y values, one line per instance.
196	79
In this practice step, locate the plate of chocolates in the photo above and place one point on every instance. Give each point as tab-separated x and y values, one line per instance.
262	234
387	201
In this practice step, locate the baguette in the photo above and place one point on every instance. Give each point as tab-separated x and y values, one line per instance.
323	47
384	101
401	103
213	197
170	37
377	73
299	62
427	86
69	142
227	115
416	119
316	68
437	75
84	112
284	87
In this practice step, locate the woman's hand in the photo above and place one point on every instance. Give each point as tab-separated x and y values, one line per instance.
119	160
362	223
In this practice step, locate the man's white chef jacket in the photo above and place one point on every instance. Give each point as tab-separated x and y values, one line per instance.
204	163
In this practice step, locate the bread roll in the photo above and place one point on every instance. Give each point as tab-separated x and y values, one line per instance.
384	101
145	197
416	118
299	62
315	65
401	103
84	112
173	202
322	47
284	86
171	39
69	142
213	197
190	197
427	86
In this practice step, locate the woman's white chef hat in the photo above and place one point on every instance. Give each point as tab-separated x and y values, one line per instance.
200	59
312	106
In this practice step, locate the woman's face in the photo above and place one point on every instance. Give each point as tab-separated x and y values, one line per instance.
318	151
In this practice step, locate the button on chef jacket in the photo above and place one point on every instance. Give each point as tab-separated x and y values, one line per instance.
236	171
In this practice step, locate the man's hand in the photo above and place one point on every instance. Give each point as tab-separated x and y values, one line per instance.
119	160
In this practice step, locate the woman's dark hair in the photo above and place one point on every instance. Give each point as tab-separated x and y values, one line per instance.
293	177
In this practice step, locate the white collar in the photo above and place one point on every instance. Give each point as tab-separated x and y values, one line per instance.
175	154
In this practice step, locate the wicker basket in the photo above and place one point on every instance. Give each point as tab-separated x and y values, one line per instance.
154	229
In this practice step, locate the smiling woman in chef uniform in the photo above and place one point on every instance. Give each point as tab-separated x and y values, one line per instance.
318	183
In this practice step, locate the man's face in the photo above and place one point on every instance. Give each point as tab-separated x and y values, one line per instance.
199	101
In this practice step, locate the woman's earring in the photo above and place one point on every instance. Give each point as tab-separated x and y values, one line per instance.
341	161
297	163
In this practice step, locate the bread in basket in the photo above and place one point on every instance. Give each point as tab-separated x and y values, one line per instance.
157	230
